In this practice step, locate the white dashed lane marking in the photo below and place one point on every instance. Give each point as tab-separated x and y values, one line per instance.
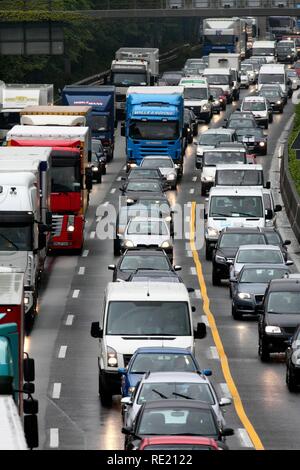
85	253
54	438
76	293
69	320
244	438
62	352
81	271
56	391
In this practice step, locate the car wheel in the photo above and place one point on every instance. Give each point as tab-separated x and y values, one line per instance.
208	253
104	393
263	350
104	170
117	248
280	110
290	380
235	315
216	280
99	178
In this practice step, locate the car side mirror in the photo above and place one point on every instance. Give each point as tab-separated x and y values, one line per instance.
126	401
123	131
287	242
177	268
122	371
268	185
126	431
224	401
89	179
193	308
96	331
278	208
200	332
269	214
111	267
289	262
206	372
227	432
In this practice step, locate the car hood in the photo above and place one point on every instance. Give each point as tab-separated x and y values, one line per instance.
189	103
168	171
283	319
147	239
252	288
139	194
202	148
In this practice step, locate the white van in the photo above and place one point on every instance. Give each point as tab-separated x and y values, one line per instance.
197	97
220	78
141	314
273	74
232	207
235	175
265	49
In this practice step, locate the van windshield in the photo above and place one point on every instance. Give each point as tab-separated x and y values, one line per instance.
239	177
148	318
271	78
236	206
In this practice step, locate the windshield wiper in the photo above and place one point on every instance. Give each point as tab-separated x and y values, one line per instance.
182	396
159	393
9	241
216	214
246	214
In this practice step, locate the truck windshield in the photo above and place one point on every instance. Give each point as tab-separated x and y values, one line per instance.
99	123
236	206
148	318
15	238
195	93
264	51
219	40
129	79
217	79
65	179
271	78
154	130
9	120
239	177
216	158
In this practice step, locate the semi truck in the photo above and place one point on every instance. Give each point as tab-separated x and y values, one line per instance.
71	178
154	124
24	216
133	66
102	122
231	61
224	35
14	97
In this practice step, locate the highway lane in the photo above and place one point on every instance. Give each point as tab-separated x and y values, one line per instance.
71	415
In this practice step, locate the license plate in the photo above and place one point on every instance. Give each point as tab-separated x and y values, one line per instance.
248	139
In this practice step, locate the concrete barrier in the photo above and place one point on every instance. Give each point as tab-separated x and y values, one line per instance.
290	196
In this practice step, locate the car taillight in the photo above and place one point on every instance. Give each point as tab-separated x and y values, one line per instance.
106	142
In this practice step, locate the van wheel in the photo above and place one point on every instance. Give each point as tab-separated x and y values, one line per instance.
104	393
290	381
208	254
263	350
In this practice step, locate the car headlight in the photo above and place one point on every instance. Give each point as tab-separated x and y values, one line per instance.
131	390
212	232
217	102
262	144
294	81
273	329
112	358
205	107
171	177
278	102
129	244
221	100
168	218
220	258
165	244
26	300
244	295
132	165
95	168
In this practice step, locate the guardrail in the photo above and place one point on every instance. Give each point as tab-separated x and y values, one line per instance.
290	196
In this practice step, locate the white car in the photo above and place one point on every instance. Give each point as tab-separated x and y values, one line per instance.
166	166
249	70
171	385
295	80
244	79
260	108
210	138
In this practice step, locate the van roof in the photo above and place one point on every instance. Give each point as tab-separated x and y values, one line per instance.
151	291
216	71
239	167
235	191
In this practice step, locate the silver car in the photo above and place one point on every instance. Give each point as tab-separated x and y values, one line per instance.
171	385
148	232
165	165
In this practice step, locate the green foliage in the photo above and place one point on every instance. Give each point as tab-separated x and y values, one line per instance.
294	164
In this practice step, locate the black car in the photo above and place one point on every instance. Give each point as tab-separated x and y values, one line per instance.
98	160
255	140
134	189
249	288
229	241
279	316
274	97
273	237
220	99
135	259
175	417
154	275
293	361
141	173
275	87
241	120
190	125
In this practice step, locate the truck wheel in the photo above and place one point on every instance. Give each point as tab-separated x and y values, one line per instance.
208	254
263	350
290	381
104	393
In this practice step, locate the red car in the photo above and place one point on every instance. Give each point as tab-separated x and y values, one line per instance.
178	443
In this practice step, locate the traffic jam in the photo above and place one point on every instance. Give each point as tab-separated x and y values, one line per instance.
160	293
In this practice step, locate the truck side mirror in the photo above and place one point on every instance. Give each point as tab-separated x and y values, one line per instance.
31	431
123	132
49	218
29	387
30	406
28	369
278	208
152	81
269	214
268	185
89	179
96	331
200	332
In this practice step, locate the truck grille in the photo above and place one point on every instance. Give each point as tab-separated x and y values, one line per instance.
126	359
57	222
155	150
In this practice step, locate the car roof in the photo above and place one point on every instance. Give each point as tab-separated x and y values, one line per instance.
281	285
254	98
218	130
182	440
134	252
163	350
147	291
140	180
260	247
147	219
160	404
183	377
240	230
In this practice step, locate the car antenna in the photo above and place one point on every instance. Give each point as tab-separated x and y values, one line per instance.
148	289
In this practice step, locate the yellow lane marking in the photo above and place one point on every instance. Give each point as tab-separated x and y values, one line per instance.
223	358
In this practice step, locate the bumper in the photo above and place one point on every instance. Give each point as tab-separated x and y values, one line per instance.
62	239
244	307
277	343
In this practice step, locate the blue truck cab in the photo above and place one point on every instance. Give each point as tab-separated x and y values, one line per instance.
154	124
103	117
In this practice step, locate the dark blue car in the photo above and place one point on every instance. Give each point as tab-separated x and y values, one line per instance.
156	360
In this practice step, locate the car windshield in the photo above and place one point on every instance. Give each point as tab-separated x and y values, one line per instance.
157	163
15	237
254	106
154	130
134	262
143	186
97	146
162	362
273	238
263	51
284	49
261	275
234	240
236	206
194	93
284	302
237	123
147	227
145	173
155	318
171	390
257	132
260	256
212	139
271	78
270	94
239	177
216	92
215	158
180	420
247	67
217	79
